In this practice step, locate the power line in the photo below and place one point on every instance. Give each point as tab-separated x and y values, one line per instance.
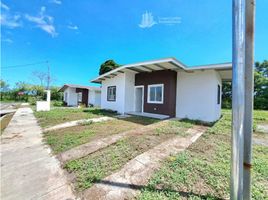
24	65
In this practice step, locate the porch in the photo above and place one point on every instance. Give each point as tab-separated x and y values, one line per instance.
151	115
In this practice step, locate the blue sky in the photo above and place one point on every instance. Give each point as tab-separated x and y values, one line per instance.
77	36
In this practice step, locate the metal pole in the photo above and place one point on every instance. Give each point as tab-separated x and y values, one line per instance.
48	75
249	83
238	99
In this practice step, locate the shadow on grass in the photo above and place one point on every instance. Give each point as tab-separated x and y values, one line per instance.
152	189
140	120
199	122
134	119
104	112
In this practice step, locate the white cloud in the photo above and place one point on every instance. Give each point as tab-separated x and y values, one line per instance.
73	27
7	40
4	6
7	19
43	21
10	21
4	39
56	2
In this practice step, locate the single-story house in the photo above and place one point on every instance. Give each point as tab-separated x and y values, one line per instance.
165	88
79	94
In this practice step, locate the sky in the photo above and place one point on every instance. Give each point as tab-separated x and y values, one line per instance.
75	37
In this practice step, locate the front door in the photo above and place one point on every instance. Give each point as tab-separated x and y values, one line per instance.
139	99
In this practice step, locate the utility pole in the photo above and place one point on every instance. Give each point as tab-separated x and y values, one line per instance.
249	86
242	98
48	75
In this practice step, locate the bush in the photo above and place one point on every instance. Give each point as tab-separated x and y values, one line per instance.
57	103
32	99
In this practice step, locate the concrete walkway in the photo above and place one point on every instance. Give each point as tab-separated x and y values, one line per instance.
125	183
76	123
258	141
28	171
263	128
95	145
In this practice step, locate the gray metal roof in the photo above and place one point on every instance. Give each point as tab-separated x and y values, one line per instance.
65	86
225	69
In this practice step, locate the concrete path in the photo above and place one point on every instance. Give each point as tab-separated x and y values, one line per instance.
263	128
125	183
28	171
258	141
95	145
76	123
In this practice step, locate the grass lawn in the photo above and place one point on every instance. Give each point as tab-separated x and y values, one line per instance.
98	165
61	115
203	170
64	139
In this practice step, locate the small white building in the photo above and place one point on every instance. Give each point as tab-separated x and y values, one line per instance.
73	95
165	88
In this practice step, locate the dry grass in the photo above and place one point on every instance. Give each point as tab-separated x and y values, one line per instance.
64	139
100	164
5	121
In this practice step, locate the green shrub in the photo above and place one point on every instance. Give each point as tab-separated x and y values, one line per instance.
57	103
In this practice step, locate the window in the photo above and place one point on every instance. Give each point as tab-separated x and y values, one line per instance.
155	93
111	93
219	95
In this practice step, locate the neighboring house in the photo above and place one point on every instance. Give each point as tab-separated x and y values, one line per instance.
78	94
165	88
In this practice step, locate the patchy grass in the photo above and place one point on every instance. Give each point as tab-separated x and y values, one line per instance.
5	121
61	115
64	139
203	170
98	165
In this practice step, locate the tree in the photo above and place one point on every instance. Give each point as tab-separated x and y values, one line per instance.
4	88
260	88
41	76
262	68
4	85
44	78
107	66
261	85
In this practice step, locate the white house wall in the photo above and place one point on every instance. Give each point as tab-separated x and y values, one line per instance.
91	97
129	91
218	106
94	97
71	97
197	95
97	98
119	103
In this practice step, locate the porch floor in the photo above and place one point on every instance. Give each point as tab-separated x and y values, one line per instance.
151	115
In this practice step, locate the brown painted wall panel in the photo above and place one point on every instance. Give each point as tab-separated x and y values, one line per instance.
169	79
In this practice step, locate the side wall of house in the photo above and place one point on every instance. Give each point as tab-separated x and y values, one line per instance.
71	97
94	98
97	98
129	91
119	104
218	106
91	97
197	95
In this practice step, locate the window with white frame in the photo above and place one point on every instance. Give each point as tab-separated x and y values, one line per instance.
111	93
155	93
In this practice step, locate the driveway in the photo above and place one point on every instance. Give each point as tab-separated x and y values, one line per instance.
28	170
